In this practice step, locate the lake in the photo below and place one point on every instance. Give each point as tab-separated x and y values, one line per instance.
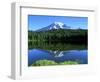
57	52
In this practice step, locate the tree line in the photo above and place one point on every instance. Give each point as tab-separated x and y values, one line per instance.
78	36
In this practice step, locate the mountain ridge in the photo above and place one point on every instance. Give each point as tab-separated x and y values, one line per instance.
54	26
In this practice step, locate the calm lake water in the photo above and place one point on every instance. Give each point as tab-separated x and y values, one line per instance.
58	53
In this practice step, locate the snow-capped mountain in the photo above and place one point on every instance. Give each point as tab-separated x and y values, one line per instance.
55	25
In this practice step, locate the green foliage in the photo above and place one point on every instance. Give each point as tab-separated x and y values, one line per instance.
50	62
68	63
56	38
60	35
44	63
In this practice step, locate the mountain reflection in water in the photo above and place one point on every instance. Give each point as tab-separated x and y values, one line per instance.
57	52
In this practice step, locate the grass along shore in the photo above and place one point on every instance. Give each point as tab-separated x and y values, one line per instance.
50	62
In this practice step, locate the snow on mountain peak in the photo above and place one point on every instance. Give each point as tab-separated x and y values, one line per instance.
60	24
57	25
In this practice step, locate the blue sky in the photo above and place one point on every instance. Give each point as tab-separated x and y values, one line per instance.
36	22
